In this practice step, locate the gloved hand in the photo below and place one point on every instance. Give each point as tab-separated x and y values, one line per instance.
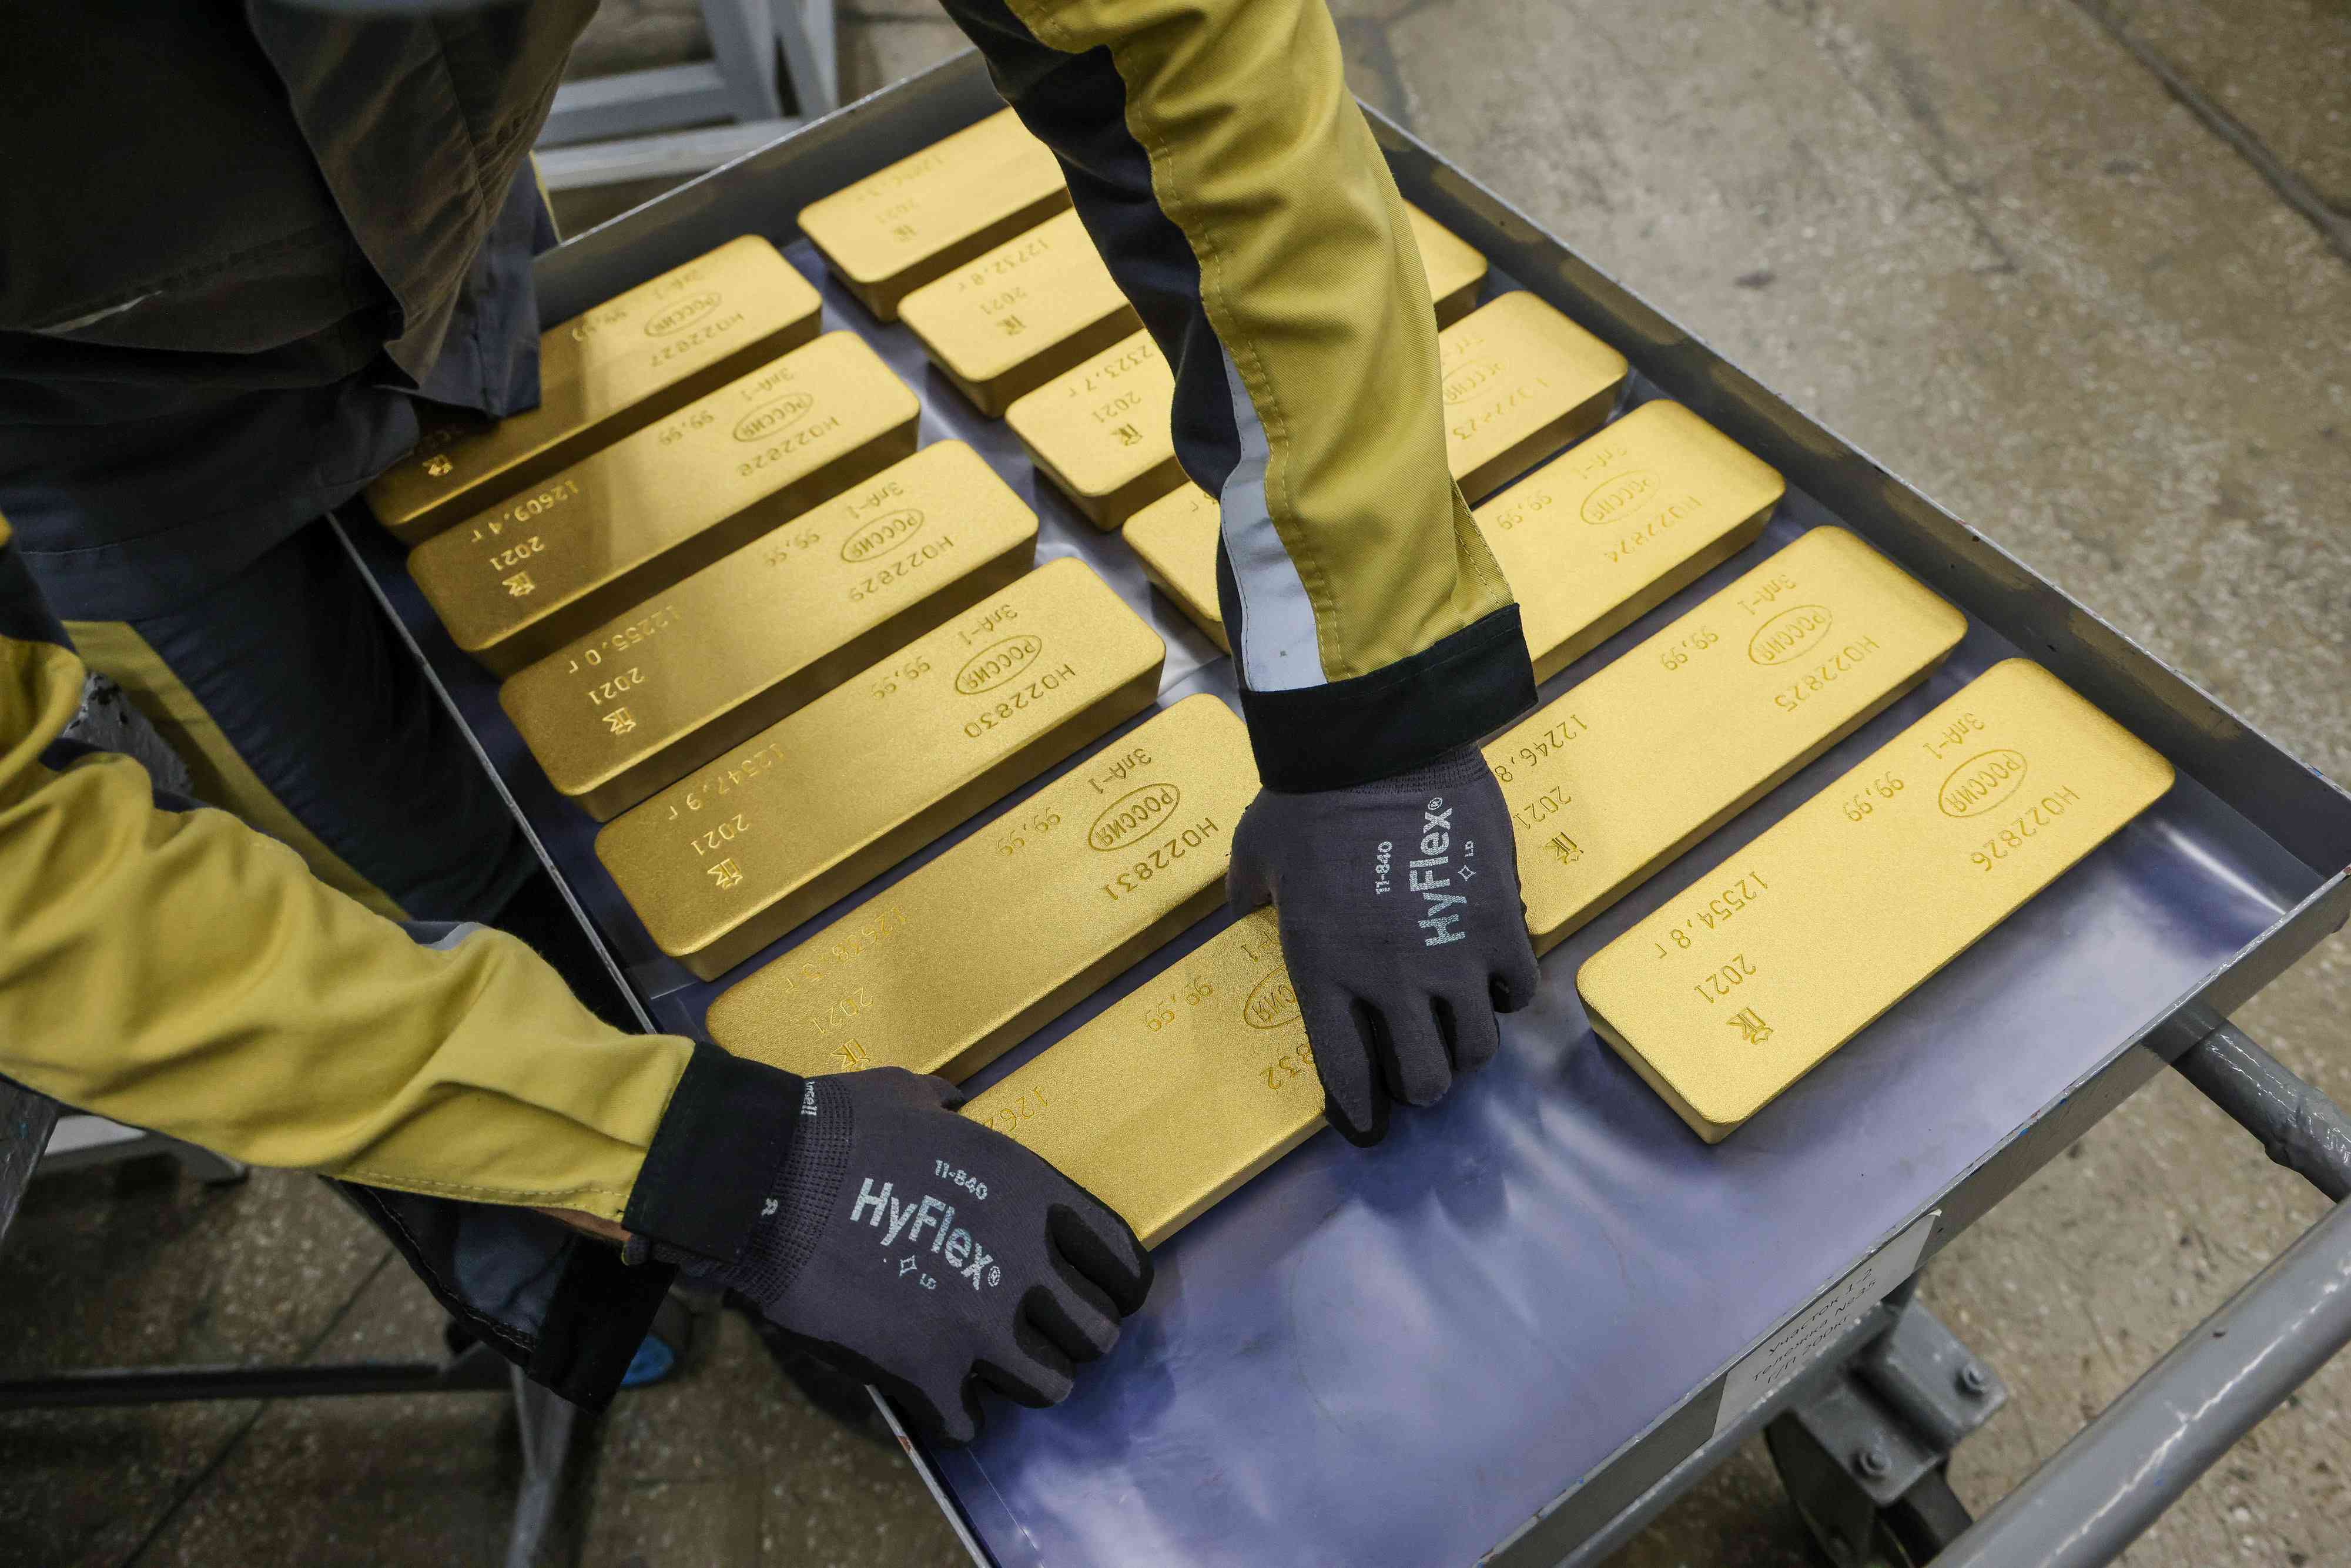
1401	925
931	1256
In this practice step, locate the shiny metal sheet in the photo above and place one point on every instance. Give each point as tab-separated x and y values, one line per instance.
1589	542
621	525
670	683
1007	322
1100	431
928	213
971	952
722	863
1624	772
1729	994
1521	380
642	354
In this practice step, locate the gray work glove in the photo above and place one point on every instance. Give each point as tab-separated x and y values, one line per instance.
931	1256
1401	925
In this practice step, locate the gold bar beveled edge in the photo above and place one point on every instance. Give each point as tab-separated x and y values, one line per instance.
795	906
1576	644
739	722
536	639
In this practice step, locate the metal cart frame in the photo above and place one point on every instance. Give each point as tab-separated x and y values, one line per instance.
1863	1392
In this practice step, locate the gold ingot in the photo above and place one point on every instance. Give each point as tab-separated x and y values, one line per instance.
626	523
1590	543
1016	318
1178	1093
1455	268
926	216
632	360
647	697
1203	1077
973	951
730	858
1100	432
1176	539
1521	381
1666	743
1745	982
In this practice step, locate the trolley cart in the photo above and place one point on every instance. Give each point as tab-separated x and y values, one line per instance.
1537	1314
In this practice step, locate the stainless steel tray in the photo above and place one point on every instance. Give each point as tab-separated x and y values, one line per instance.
1494	1332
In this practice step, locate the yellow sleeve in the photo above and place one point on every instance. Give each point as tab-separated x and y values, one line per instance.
170	967
1236	192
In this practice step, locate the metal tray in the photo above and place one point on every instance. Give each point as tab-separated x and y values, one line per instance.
1490	1335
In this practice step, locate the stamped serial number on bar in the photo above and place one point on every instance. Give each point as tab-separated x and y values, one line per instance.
652	693
516	583
605	374
972	951
733	856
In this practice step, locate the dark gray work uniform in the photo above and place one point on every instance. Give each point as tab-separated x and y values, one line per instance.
240	243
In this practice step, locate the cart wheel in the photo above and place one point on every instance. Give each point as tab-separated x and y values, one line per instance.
1928	1517
1846	1529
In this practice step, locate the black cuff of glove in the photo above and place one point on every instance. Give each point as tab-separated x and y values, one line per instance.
1373	727
716	1155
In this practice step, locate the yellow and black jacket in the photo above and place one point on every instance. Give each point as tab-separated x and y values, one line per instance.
1233	187
164	965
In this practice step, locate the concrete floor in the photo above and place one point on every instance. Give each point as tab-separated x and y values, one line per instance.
2079	269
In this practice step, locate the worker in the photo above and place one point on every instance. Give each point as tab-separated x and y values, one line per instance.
245	246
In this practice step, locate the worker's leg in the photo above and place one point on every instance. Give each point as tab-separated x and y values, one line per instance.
287	693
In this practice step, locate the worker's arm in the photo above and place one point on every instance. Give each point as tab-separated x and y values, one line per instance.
1235	190
164	965
168	967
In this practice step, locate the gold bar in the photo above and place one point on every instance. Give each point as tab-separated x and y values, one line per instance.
1202	1079
1521	381
975	950
1613	527
1176	539
1726	996
1590	543
649	696
1674	738
632	360
1100	432
1455	269
722	862
623	524
926	216
1012	320
1179	1094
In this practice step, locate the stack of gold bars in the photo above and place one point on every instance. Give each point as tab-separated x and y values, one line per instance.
777	647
